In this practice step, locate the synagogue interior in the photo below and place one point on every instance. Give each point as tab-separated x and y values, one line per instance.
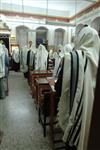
49	74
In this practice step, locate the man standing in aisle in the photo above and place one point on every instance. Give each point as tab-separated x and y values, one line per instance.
16	59
30	58
2	72
6	69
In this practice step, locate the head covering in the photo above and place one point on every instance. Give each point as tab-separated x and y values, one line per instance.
67	48
51	54
88	41
16	55
41	58
79	27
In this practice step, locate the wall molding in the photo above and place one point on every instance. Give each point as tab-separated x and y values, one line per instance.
34	16
85	11
53	18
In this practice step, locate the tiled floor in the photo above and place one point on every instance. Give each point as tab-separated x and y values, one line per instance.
19	120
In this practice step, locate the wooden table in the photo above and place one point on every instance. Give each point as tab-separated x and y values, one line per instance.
38	74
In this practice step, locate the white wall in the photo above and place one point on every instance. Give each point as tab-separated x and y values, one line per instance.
51	36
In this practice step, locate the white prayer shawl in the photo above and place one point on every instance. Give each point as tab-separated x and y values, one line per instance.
33	48
24	58
2	61
58	58
32	54
67	48
41	58
61	52
6	50
16	55
51	54
89	43
67	122
55	54
79	27
57	63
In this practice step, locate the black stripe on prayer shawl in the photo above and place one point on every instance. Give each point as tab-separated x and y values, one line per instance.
71	79
77	75
74	76
75	124
75	130
33	65
58	84
28	58
82	89
75	133
85	64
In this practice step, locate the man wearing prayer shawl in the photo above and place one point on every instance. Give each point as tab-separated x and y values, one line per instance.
67	48
51	54
2	72
30	59
58	58
75	120
41	58
23	59
31	56
6	69
16	59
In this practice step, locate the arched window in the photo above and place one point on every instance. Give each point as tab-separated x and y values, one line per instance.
59	36
41	35
22	36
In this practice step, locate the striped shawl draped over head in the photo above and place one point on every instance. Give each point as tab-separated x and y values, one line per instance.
74	119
